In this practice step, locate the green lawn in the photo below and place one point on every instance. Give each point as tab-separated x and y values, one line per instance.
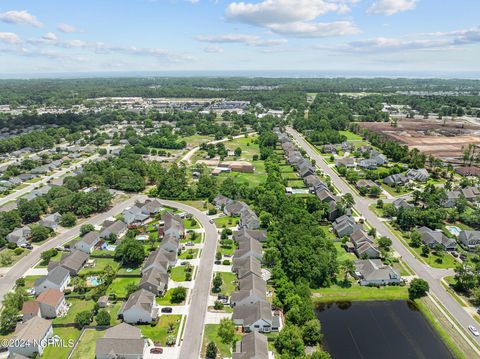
86	346
200	205
161	331
351	136
53	259
211	335
329	234
290	176
188	238
100	265
68	335
227	221
287	169
447	260
123	270
196	140
30	280
393	192
166	299
357	292
226	250
342	254
191	223
188	252
119	285
248	146
77	306
229	283
13	258
251	179
297	183
178	273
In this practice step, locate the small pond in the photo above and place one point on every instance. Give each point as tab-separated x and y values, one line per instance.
377	330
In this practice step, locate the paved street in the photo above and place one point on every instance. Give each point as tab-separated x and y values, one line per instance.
431	275
29	261
192	339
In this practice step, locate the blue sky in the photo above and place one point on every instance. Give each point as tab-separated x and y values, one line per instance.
50	36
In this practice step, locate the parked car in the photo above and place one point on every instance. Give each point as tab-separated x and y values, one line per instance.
218	262
211	221
455	254
189	244
473	330
184	263
156	350
167	310
463	257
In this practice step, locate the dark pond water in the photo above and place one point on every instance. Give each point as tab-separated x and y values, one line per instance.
379	330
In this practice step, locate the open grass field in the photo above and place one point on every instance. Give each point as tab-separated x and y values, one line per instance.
196	140
30	280
100	265
178	273
211	335
251	179
68	335
162	330
351	136
191	223
229	283
119	285
85	347
356	292
226	221
8	257
167	299
53	259
77	306
342	254
187	252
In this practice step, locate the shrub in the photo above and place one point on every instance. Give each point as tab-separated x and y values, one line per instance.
226	262
179	294
18	251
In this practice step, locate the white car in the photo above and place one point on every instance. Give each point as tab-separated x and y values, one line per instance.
473	330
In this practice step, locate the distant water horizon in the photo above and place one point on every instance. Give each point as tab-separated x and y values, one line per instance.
249	74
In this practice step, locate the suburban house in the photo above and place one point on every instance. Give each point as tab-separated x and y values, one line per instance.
312	181
160	260
88	242
19	236
170	243
249	247
234	208
117	228
365	183
362	245
335	211
248	219
253	345
30	309
58	278
151	207
401	203
325	195
31	337
246	266
51	221
420	175
348	162
254	317
345	226
221	201
155	281
433	238
471	194
139	308
121	341
368	163
135	215
244	234
173	225
252	289
52	303
396	180
72	262
374	272
470	239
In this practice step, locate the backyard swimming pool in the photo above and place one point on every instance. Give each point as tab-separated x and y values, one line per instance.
454	230
93	281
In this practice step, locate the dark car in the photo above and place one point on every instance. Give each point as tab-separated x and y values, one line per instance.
156	350
167	310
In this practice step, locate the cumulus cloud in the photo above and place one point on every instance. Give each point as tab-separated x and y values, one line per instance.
66	28
213	49
294	17
158	53
9	38
250	40
20	17
391	7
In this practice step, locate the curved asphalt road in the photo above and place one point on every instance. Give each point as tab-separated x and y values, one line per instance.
422	270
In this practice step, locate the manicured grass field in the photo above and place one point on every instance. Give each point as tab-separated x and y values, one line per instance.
191	223
187	252
9	253
100	265
225	222
200	205
342	254
188	238
296	183
358	292
447	260
351	136
250	179
113	309
178	273
161	331
196	140
77	306
228	285
166	299
123	270
211	335
248	146
30	280
68	335
286	169
226	250
119	285
53	259
86	346
393	192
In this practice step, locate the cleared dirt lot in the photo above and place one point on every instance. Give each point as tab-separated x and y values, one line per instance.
443	140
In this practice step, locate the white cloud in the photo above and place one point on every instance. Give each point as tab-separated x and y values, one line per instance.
213	49
20	17
50	37
251	40
294	17
391	7
306	29
9	37
66	28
